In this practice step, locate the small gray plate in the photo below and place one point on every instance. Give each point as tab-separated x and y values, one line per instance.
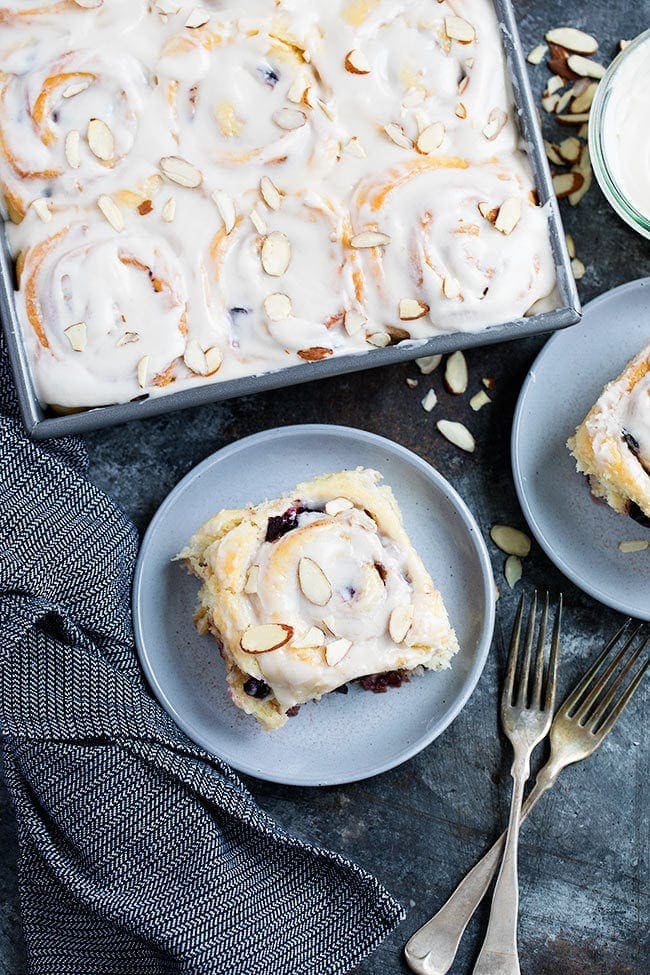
579	534
342	738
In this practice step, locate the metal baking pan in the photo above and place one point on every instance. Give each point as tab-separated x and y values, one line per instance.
42	422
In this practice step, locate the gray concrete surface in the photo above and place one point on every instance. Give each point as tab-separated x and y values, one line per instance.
421	826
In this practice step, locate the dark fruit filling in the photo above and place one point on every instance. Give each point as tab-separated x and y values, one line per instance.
257	688
343	689
280	525
632	443
292	712
379	683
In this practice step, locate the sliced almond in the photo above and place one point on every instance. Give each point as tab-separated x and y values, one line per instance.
456	374
578	268
572	39
570	119
535	56
289	118
265	637
410	309
127	338
431	138
354	321
100	140
460	30
479	400
258	221
337	505
411	383
226	207
369	238
558	62
585	67
549	102
450	286
639	545
400	622
379	339
355	148
314	637
142	370
583	166
509	215
180	171
510	540
566	183
513	570
554	84
495	123
428	364
562	102
276	254
41	208
458	434
553	153
570	245
75	89
356	62
315	353
570	149
71	147
199	17
277	307
336	651
490	213
111	211
396	134
77	336
489	382
252	578
270	193
200	362
582	102
430	401
168	211
314	583
461	110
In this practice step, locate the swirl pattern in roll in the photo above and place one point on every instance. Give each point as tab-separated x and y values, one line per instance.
312	590
325	177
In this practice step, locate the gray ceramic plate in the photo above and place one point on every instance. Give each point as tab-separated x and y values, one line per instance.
579	534
344	737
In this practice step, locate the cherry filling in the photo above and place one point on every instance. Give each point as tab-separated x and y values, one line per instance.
379	683
632	443
279	525
257	688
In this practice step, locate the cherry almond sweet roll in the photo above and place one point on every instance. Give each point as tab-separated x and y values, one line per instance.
313	590
612	444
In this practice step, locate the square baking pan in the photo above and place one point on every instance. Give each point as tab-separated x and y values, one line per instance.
42	422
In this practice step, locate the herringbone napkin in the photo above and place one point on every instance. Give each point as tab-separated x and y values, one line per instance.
139	852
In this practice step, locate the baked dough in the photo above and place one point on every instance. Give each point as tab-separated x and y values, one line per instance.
612	444
315	589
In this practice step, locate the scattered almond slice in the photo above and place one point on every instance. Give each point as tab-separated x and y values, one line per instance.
513	570
379	339
428	364
354	321
226	207
553	153
411	383
582	102
111	211
337	505
168	211
299	86
71	148
314	583
570	245
289	118
41	208
202	363
509	215
430	138
489	382
336	651
554	84
510	540
639	545
430	401
549	102
142	370
570	149
563	102
578	268
369	238
396	134
127	338
460	30
265	637
479	400
277	307
75	89
450	287
258	221
456	374
315	353
100	140
495	123
572	39
400	622
180	171
77	336
566	183
199	17
488	212
270	193
314	637
536	55
355	148
583	167
356	62
458	434
276	254
570	119
252	578
461	110
585	67
410	309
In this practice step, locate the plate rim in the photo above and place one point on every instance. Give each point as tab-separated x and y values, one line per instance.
620	605
479	545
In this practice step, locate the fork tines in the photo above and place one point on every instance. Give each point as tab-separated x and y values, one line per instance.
531	689
600	697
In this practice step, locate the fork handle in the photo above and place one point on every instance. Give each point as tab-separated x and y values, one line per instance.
499	955
432	949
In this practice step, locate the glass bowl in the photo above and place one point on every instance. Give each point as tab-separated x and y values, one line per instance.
602	149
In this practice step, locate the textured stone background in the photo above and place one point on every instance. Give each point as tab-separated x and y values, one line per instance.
422	826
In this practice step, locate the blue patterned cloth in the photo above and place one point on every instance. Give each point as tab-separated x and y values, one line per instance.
139	852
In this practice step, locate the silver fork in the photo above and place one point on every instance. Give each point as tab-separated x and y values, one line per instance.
526	715
582	722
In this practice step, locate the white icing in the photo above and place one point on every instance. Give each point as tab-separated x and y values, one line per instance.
635	418
211	96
